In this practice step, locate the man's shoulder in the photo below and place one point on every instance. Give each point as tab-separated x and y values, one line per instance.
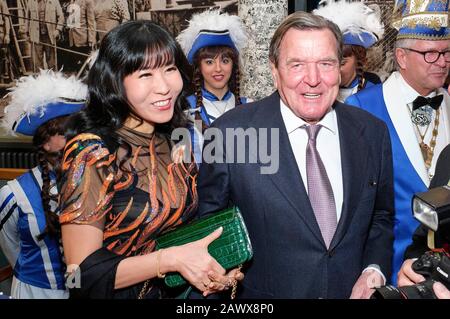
359	115
367	98
372	78
245	114
369	93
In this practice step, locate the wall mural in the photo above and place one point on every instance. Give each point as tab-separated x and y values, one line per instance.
38	34
61	34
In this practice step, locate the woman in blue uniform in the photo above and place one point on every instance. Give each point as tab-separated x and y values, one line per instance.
29	227
361	29
212	44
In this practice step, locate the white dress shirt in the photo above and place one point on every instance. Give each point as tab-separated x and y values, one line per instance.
328	146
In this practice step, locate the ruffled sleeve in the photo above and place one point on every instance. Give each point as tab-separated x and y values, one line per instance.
87	183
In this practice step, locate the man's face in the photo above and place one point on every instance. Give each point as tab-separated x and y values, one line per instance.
422	76
307	76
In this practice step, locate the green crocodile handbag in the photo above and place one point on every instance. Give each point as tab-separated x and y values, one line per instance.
231	249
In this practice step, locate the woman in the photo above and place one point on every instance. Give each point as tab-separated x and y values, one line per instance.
120	187
29	231
361	28
353	76
212	43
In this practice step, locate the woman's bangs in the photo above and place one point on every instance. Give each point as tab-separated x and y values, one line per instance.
212	52
158	55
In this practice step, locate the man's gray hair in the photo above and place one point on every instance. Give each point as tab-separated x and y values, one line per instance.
404	43
401	44
303	21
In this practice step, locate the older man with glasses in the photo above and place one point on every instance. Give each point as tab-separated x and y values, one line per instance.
432	56
414	106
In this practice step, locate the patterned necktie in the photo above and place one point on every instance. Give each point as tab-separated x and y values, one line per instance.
434	102
319	188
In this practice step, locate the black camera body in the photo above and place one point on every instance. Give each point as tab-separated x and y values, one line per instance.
434	266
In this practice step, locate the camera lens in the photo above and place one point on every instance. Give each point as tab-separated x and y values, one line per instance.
423	290
387	292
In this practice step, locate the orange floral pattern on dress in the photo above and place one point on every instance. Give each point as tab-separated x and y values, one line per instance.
135	205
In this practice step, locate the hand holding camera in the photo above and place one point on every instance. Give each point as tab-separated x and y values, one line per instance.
407	276
434	266
417	278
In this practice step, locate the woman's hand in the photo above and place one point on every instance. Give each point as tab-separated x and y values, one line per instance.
223	282
194	263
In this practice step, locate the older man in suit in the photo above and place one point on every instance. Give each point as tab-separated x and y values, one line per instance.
320	225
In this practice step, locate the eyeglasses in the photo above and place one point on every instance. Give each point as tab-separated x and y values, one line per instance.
432	56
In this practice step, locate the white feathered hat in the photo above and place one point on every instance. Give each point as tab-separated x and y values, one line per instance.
36	99
359	24
212	28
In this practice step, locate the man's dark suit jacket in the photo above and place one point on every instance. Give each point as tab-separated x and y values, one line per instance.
442	237
290	257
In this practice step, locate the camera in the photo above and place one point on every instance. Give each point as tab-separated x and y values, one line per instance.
432	209
433	265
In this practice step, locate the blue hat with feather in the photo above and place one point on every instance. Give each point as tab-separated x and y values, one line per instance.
36	99
212	28
360	24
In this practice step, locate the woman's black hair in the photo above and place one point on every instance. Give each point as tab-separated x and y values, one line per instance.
48	162
129	47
